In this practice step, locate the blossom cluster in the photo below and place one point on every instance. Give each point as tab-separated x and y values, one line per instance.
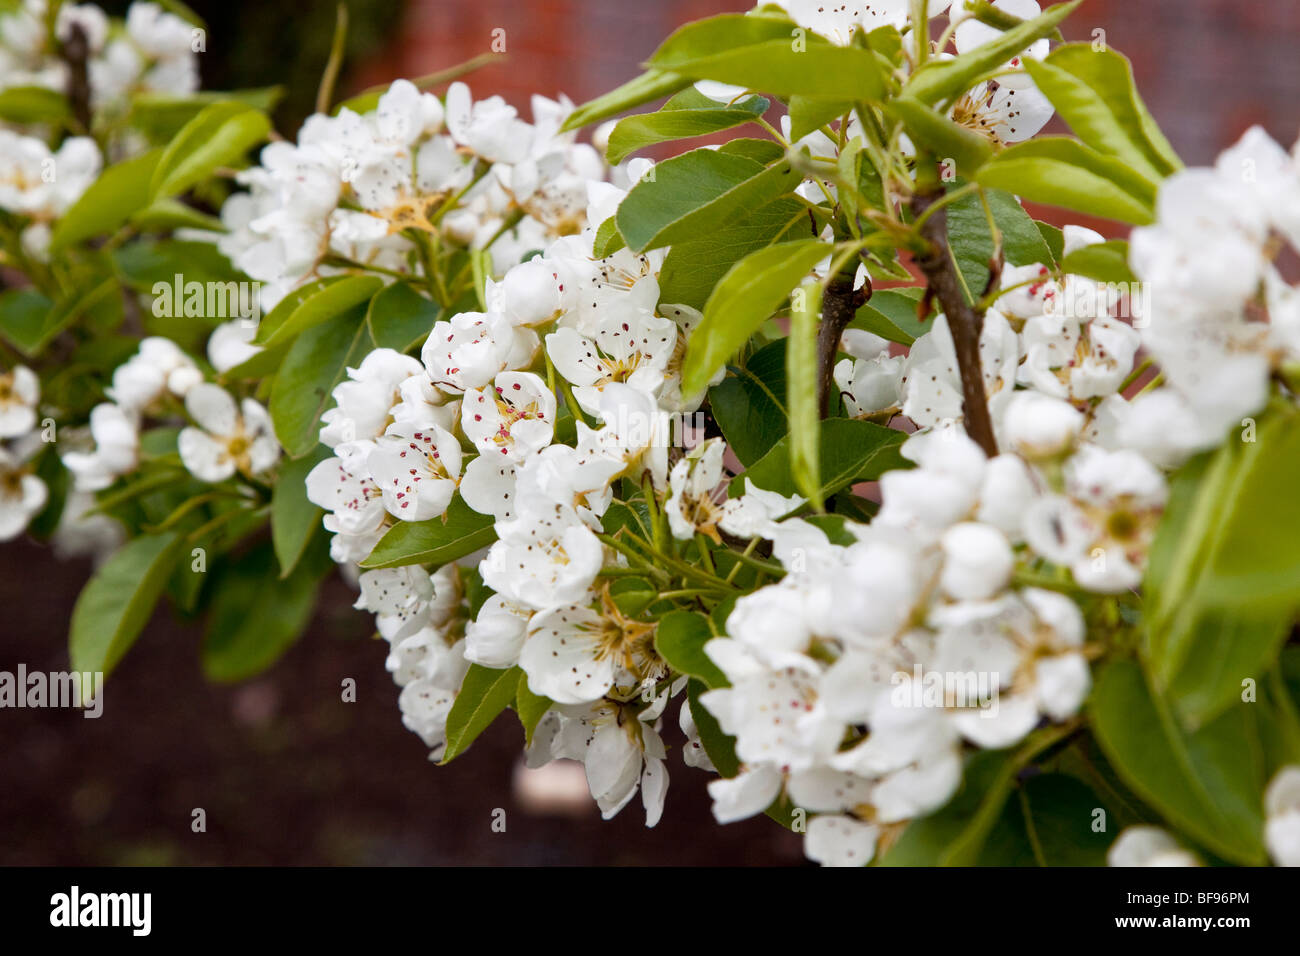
545	417
152	50
972	565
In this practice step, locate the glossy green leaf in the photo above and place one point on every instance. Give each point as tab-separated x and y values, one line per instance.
160	116
257	615
459	532
316	362
851	451
218	136
1209	784
484	693
23	105
146	263
809	114
119	599
1224	576
1051	819
1063	172
955	835
313	304
773	55
694	266
650	85
1094	92
608	239
23	314
749	405
892	314
530	708
400	318
30	322
680	119
762	151
942	80
696	192
680	638
120	192
746	297
294	519
938	134
1103	261
972	243
720	747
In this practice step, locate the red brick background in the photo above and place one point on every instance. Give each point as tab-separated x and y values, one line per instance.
1208	68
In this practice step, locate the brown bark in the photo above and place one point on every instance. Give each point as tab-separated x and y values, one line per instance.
76	53
964	320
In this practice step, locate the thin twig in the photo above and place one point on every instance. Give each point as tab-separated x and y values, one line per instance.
965	321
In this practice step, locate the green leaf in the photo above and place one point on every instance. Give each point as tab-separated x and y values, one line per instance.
118	601
459	532
400	318
802	385
630	515
608	239
749	406
851	451
648	86
1209	784
676	121
1094	92
530	707
1048	821
1054	236
1066	173
762	151
1103	261
218	136
23	313
680	638
484	693
941	136
694	266
120	192
145	263
746	297
695	192
160	116
809	114
313	304
972	243
24	105
955	835
944	80
891	314
727	31
720	747
1223	582
294	519
315	363
762	52
263	364
255	616
165	215
31	322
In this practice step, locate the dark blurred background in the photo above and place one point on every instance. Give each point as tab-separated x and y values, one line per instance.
286	772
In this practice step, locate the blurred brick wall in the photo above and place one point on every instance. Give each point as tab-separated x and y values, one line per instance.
1208	68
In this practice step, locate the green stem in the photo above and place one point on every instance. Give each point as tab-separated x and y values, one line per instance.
749	549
